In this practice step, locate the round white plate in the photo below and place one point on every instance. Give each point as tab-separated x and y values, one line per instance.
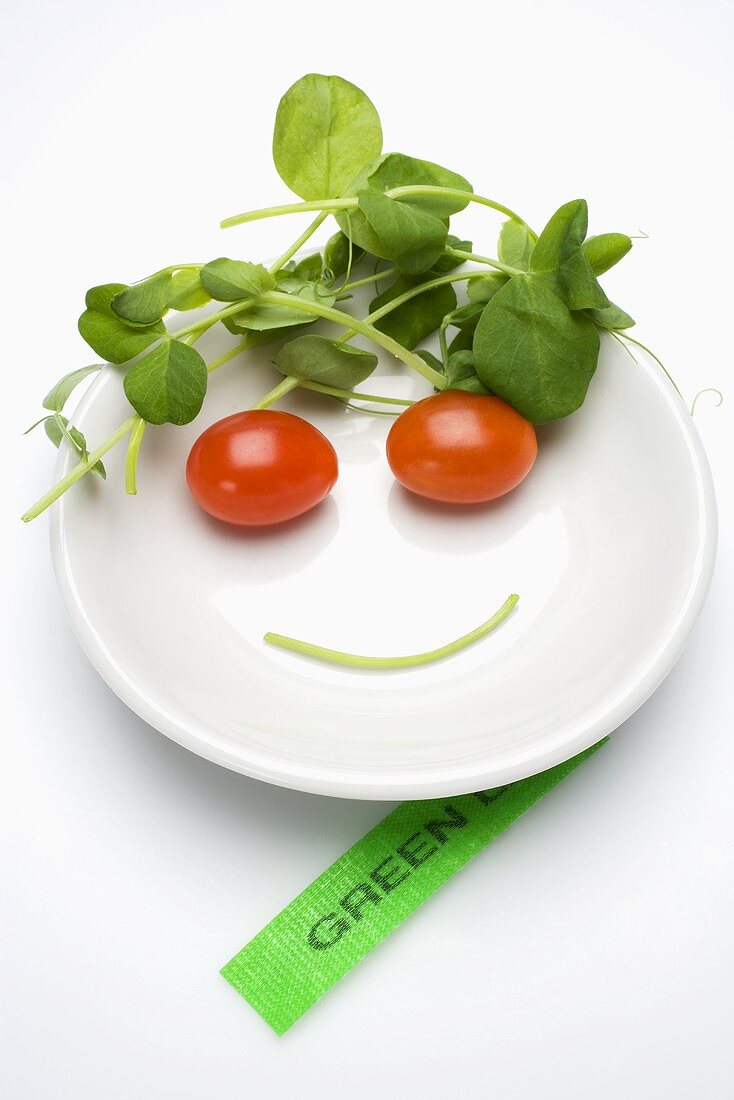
610	543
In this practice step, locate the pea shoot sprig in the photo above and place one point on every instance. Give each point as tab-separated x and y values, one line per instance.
527	332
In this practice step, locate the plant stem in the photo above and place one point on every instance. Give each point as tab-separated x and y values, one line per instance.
456	193
80	470
242	346
299	242
205	323
276	393
652	355
386	274
336	657
131	458
406	296
321	205
329	206
129	425
338	317
468	257
708	389
413	292
353	395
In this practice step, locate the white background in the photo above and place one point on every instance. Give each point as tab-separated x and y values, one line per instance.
587	953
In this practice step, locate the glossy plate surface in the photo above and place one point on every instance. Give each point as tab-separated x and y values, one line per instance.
610	543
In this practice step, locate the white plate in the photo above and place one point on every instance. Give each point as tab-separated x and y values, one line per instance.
610	543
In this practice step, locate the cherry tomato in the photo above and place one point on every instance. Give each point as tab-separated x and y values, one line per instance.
461	448
261	467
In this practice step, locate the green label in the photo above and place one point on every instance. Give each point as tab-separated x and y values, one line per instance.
369	890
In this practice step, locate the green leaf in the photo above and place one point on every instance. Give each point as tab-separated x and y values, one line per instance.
99	298
412	322
316	359
484	288
57	397
229	280
309	268
559	252
465	317
447	262
336	255
167	386
612	317
396	170
410	237
463	341
57	428
144	302
533	352
606	250
186	292
268	315
515	245
461	373
107	334
325	130
431	359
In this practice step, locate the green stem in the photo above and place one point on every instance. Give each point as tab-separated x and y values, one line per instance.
329	206
299	242
129	425
456	193
652	355
386	274
248	342
131	458
353	395
406	296
468	257
336	657
80	470
322	205
205	323
708	389
362	327
276	393
413	292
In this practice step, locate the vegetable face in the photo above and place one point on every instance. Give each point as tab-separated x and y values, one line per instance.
529	333
461	448
261	467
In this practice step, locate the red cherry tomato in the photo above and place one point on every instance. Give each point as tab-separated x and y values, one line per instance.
461	448
261	467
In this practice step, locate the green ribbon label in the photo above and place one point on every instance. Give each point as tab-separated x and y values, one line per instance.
366	893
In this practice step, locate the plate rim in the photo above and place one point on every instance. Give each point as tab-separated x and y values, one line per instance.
355	783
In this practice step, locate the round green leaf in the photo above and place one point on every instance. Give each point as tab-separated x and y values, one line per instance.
397	170
186	291
325	130
229	280
533	352
515	245
144	302
114	339
167	386
270	315
407	234
316	359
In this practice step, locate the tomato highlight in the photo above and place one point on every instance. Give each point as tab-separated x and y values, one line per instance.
261	467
